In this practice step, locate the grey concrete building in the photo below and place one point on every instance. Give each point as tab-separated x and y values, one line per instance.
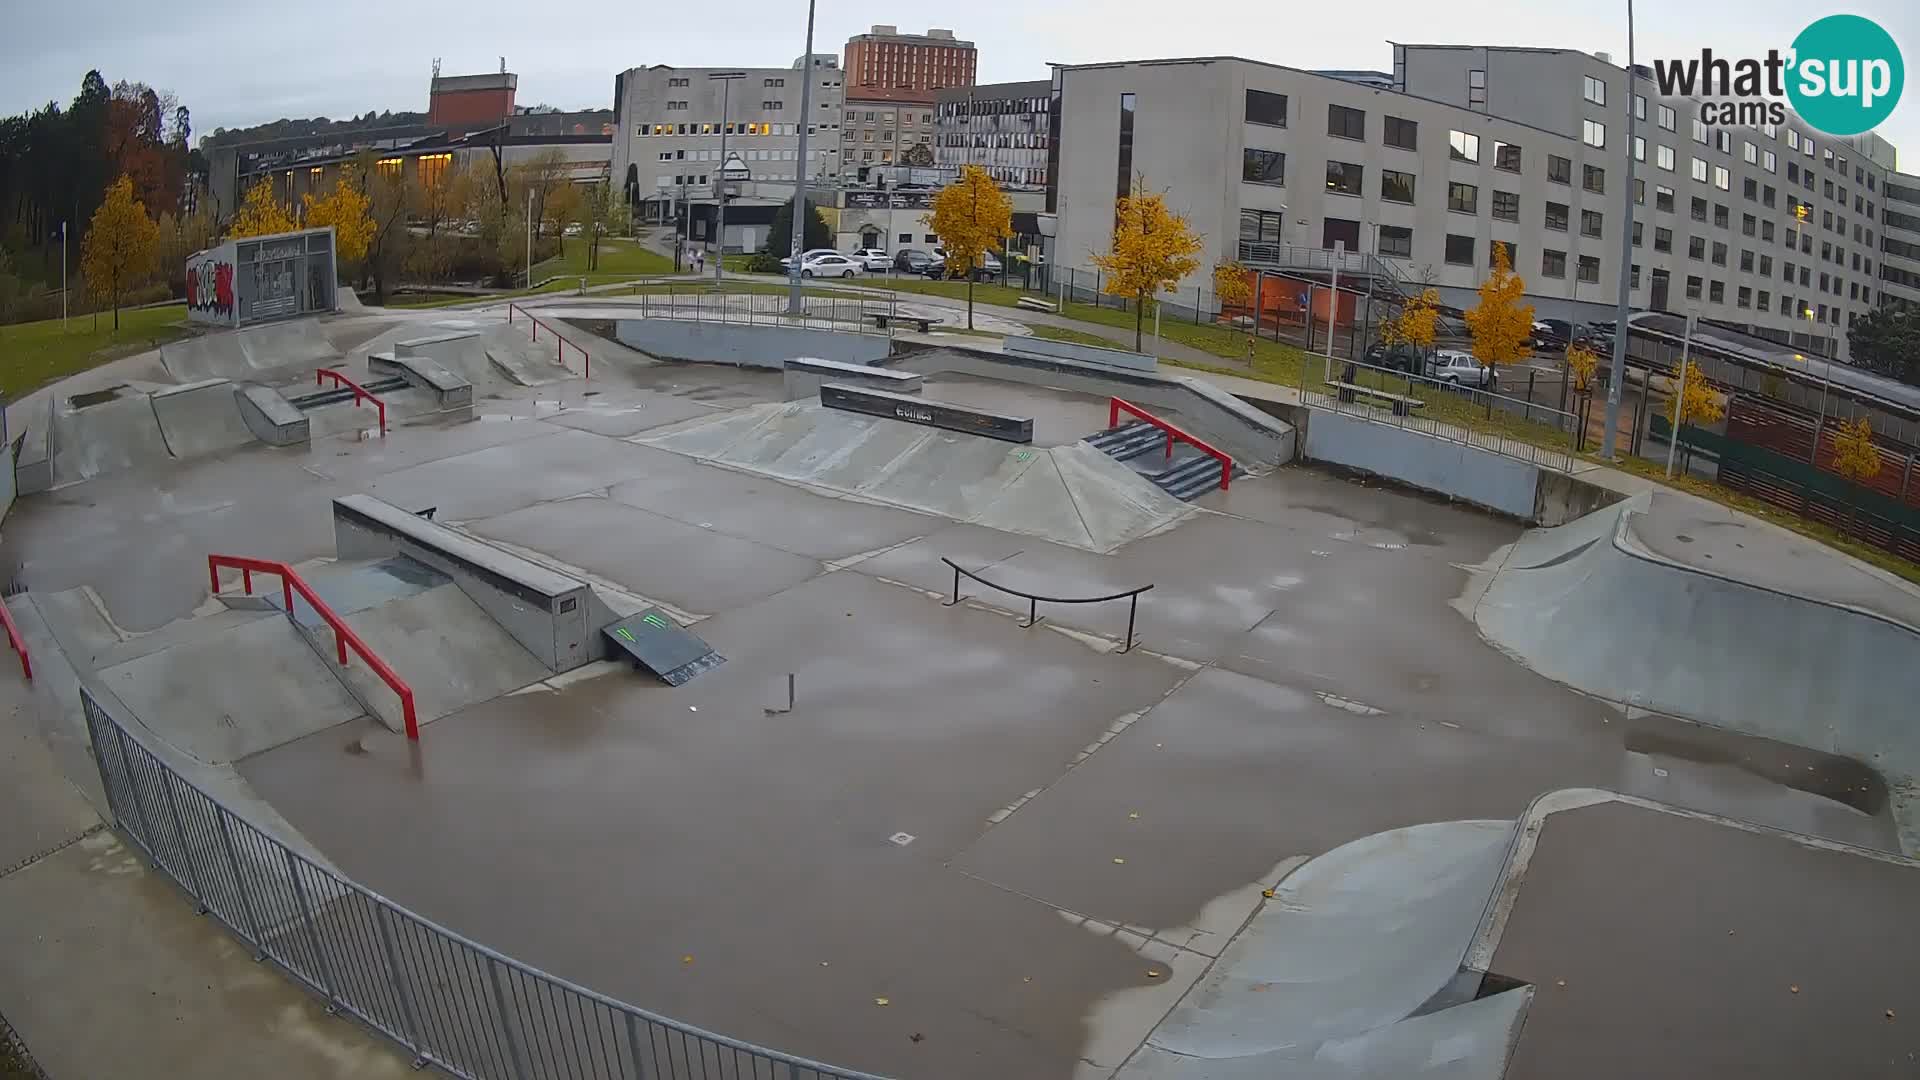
1757	227
668	130
1003	127
881	127
1900	239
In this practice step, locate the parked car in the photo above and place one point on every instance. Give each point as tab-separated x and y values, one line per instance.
989	266
872	259
911	260
1398	357
806	257
831	264
1462	369
1552	333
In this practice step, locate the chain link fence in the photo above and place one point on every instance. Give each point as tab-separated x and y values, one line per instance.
455	1004
1515	427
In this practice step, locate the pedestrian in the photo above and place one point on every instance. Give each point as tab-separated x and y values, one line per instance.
700	261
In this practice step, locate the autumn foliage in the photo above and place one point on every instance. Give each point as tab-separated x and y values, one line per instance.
1854	455
1231	285
262	214
1153	251
972	216
1417	323
346	209
121	245
1501	322
1582	362
1698	402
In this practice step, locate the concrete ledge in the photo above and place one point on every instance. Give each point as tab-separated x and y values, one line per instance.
805	374
423	346
271	417
449	391
545	611
1028	345
1468	473
940	414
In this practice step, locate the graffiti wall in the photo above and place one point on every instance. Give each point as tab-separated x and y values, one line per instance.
259	278
210	286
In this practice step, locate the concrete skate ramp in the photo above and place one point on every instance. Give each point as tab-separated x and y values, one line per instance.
221	697
1589	605
274	349
1069	494
1323	979
119	432
201	418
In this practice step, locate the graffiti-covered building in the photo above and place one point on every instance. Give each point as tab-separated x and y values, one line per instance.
259	278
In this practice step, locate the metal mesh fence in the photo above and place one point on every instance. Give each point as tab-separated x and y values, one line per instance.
851	314
453	1003
1513	427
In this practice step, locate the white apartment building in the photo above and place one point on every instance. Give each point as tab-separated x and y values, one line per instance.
669	127
1755	227
1900	239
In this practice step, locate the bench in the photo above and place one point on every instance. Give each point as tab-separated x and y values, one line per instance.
1034	303
1402	405
882	320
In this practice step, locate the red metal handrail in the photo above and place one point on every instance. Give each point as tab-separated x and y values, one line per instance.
18	642
586	362
343	635
1115	406
320	378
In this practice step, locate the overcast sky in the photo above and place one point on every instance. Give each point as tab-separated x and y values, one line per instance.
235	64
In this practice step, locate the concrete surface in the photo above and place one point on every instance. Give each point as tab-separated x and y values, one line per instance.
450	652
201	418
1073	350
110	436
735	343
1478	476
267	352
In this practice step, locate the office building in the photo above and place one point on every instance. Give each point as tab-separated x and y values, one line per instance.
1776	228
1002	127
884	58
880	127
1900	239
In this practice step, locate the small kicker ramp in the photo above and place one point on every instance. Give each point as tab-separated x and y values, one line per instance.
201	418
662	646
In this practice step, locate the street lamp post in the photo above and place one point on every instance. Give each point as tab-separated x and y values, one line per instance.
725	79
800	173
1617	371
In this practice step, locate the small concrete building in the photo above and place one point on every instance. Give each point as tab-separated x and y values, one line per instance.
260	278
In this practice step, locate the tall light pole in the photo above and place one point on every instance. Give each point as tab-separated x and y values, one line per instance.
1617	371
529	239
800	173
725	79
64	227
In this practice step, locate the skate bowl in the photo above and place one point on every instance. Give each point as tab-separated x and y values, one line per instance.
1592	605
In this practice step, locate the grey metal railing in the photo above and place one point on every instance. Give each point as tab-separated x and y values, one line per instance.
849	314
1404	400
455	1004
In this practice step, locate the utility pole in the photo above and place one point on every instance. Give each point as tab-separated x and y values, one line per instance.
794	306
529	239
1617	371
64	227
726	80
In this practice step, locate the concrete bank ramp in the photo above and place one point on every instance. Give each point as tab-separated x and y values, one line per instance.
1590	605
104	431
267	352
1326	979
201	418
1068	494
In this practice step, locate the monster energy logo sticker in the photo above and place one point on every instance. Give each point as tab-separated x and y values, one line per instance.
654	620
624	634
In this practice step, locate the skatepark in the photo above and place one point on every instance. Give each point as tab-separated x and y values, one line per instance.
1329	777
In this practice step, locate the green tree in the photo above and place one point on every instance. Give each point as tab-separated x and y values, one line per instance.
814	232
1887	341
121	245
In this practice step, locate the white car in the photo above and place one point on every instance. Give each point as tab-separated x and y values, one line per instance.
873	259
832	264
1461	369
807	256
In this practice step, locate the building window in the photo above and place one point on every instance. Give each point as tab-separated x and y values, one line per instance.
906	238
1663	155
1699	130
1697	247
1459	249
1476	87
1750	189
1396	241
1747	224
1744	297
1506	156
1763	300
1343	178
1263	167
1639	148
1717	292
1767	195
1663	239
1345	123
1663	198
1719	216
1557	216
1664	116
1768	160
1639	107
1694	284
1589	268
1749	153
1595	91
1404	134
1633	276
1720	177
1396	186
1559	169
1593	133
1463	198
1553	264
1636	234
1265	108
1723	140
1594	179
1719	257
1124	179
1462	146
1590	223
1639	192
1506	206
1699	166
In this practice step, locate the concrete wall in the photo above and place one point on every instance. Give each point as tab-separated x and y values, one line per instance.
1073	350
1463	472
751	346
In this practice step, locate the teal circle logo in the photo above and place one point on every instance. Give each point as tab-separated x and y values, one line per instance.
1846	75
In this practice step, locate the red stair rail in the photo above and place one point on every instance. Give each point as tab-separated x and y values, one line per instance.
1115	406
18	642
586	362
320	378
343	635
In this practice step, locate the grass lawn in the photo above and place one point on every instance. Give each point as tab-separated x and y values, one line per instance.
438	300
33	354
619	258
756	288
1080	337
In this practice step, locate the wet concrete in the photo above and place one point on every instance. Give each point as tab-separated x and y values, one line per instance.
1664	946
1059	416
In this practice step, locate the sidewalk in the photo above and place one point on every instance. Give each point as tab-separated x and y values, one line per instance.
110	973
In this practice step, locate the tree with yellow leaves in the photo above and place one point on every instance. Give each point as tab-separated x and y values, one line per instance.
1153	251
971	216
1501	323
120	247
1854	456
1417	324
1582	362
346	209
1230	284
261	213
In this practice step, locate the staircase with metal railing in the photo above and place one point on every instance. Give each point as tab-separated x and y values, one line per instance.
1389	282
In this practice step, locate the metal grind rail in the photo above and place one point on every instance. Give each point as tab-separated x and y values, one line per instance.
1116	406
1131	596
343	635
321	376
586	362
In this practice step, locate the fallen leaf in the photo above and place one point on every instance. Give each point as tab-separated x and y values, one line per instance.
882	1002
1118	861
1794	987
823	963
1889	1014
1027	979
687	959
916	1037
1559	982
1153	973
1268	893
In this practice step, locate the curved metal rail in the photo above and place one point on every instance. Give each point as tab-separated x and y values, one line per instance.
1131	596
